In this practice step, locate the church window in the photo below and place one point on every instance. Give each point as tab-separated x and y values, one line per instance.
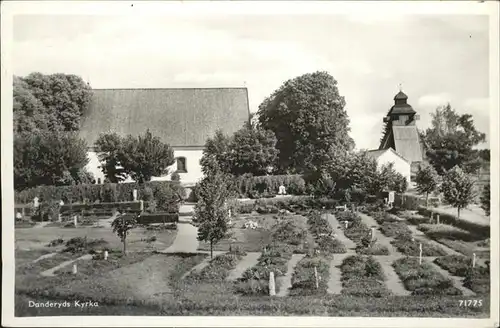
181	164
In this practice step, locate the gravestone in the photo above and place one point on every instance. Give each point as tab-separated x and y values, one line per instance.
420	254
346	224
391	197
106	255
75	220
316	277
473	260
282	190
134	194
61	203
35	202
272	285
19	216
437	218
75	269
142	205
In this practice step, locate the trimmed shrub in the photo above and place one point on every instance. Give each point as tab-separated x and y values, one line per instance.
395	229
362	276
158	218
260	186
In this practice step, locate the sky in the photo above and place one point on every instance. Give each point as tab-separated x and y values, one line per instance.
436	58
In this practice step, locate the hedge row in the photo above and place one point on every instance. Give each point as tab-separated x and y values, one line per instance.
158	218
103	193
413	202
262	186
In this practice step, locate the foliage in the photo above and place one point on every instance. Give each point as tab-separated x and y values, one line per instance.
304	280
252	150
48	158
122	226
423	279
472	227
362	276
457	188
409	247
158	218
175	177
79	244
288	231
485	199
211	211
395	229
478	280
427	181
109	147
457	265
310	123
218	268
49	102
450	139
215	153
257	186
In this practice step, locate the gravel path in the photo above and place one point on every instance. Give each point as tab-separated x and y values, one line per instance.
248	261
186	240
45	256
335	224
334	283
286	281
392	281
50	272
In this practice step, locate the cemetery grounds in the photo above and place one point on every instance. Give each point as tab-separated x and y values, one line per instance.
325	263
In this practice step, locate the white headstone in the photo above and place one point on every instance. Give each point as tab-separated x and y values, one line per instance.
19	216
75	220
316	277
437	218
281	190
134	194
75	269
61	203
346	224
142	205
106	255
35	202
391	196
473	260
420	254
272	285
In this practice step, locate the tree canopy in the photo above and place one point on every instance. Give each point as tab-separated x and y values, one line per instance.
457	188
450	141
141	157
310	123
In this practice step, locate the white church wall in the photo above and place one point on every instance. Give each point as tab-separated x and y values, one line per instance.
400	165
93	166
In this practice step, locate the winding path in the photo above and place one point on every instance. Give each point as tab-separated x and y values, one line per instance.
286	281
248	261
335	224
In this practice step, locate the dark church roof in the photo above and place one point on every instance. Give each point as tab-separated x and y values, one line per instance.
400	96
180	117
400	105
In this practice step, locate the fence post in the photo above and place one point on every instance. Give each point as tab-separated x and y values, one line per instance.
473	260
316	277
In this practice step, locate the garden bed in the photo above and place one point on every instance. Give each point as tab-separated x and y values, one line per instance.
303	279
423	279
218	268
394	229
409	247
322	232
476	279
363	276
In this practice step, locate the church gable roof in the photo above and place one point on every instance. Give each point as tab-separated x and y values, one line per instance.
407	142
179	117
376	153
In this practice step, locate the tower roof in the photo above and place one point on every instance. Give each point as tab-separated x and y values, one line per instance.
400	96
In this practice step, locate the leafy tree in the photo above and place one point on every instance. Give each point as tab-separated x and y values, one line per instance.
427	181
109	148
122	226
60	98
48	158
211	211
216	151
400	184
143	157
457	188
29	115
485	199
310	123
450	140
252	150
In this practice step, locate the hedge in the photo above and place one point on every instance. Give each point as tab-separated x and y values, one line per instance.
158	218
475	228
261	186
103	193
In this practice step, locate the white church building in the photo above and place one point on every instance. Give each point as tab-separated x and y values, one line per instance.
183	117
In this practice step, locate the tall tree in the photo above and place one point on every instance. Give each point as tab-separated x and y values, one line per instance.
427	181
145	156
457	188
109	149
64	98
252	150
450	141
217	150
211	211
122	226
307	116
48	158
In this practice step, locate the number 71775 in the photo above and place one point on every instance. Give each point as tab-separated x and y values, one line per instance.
471	303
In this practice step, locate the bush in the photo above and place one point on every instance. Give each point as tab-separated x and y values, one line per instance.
91	193
303	279
395	229
79	244
147	194
56	242
455	264
423	279
362	276
287	231
257	186
330	245
158	218
440	231
478	280
375	249
405	245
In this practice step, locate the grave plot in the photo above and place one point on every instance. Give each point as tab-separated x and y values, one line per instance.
363	276
410	246
218	268
476	277
311	275
322	231
423	279
360	234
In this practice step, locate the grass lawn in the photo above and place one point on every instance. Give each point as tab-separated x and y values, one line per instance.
38	238
251	240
